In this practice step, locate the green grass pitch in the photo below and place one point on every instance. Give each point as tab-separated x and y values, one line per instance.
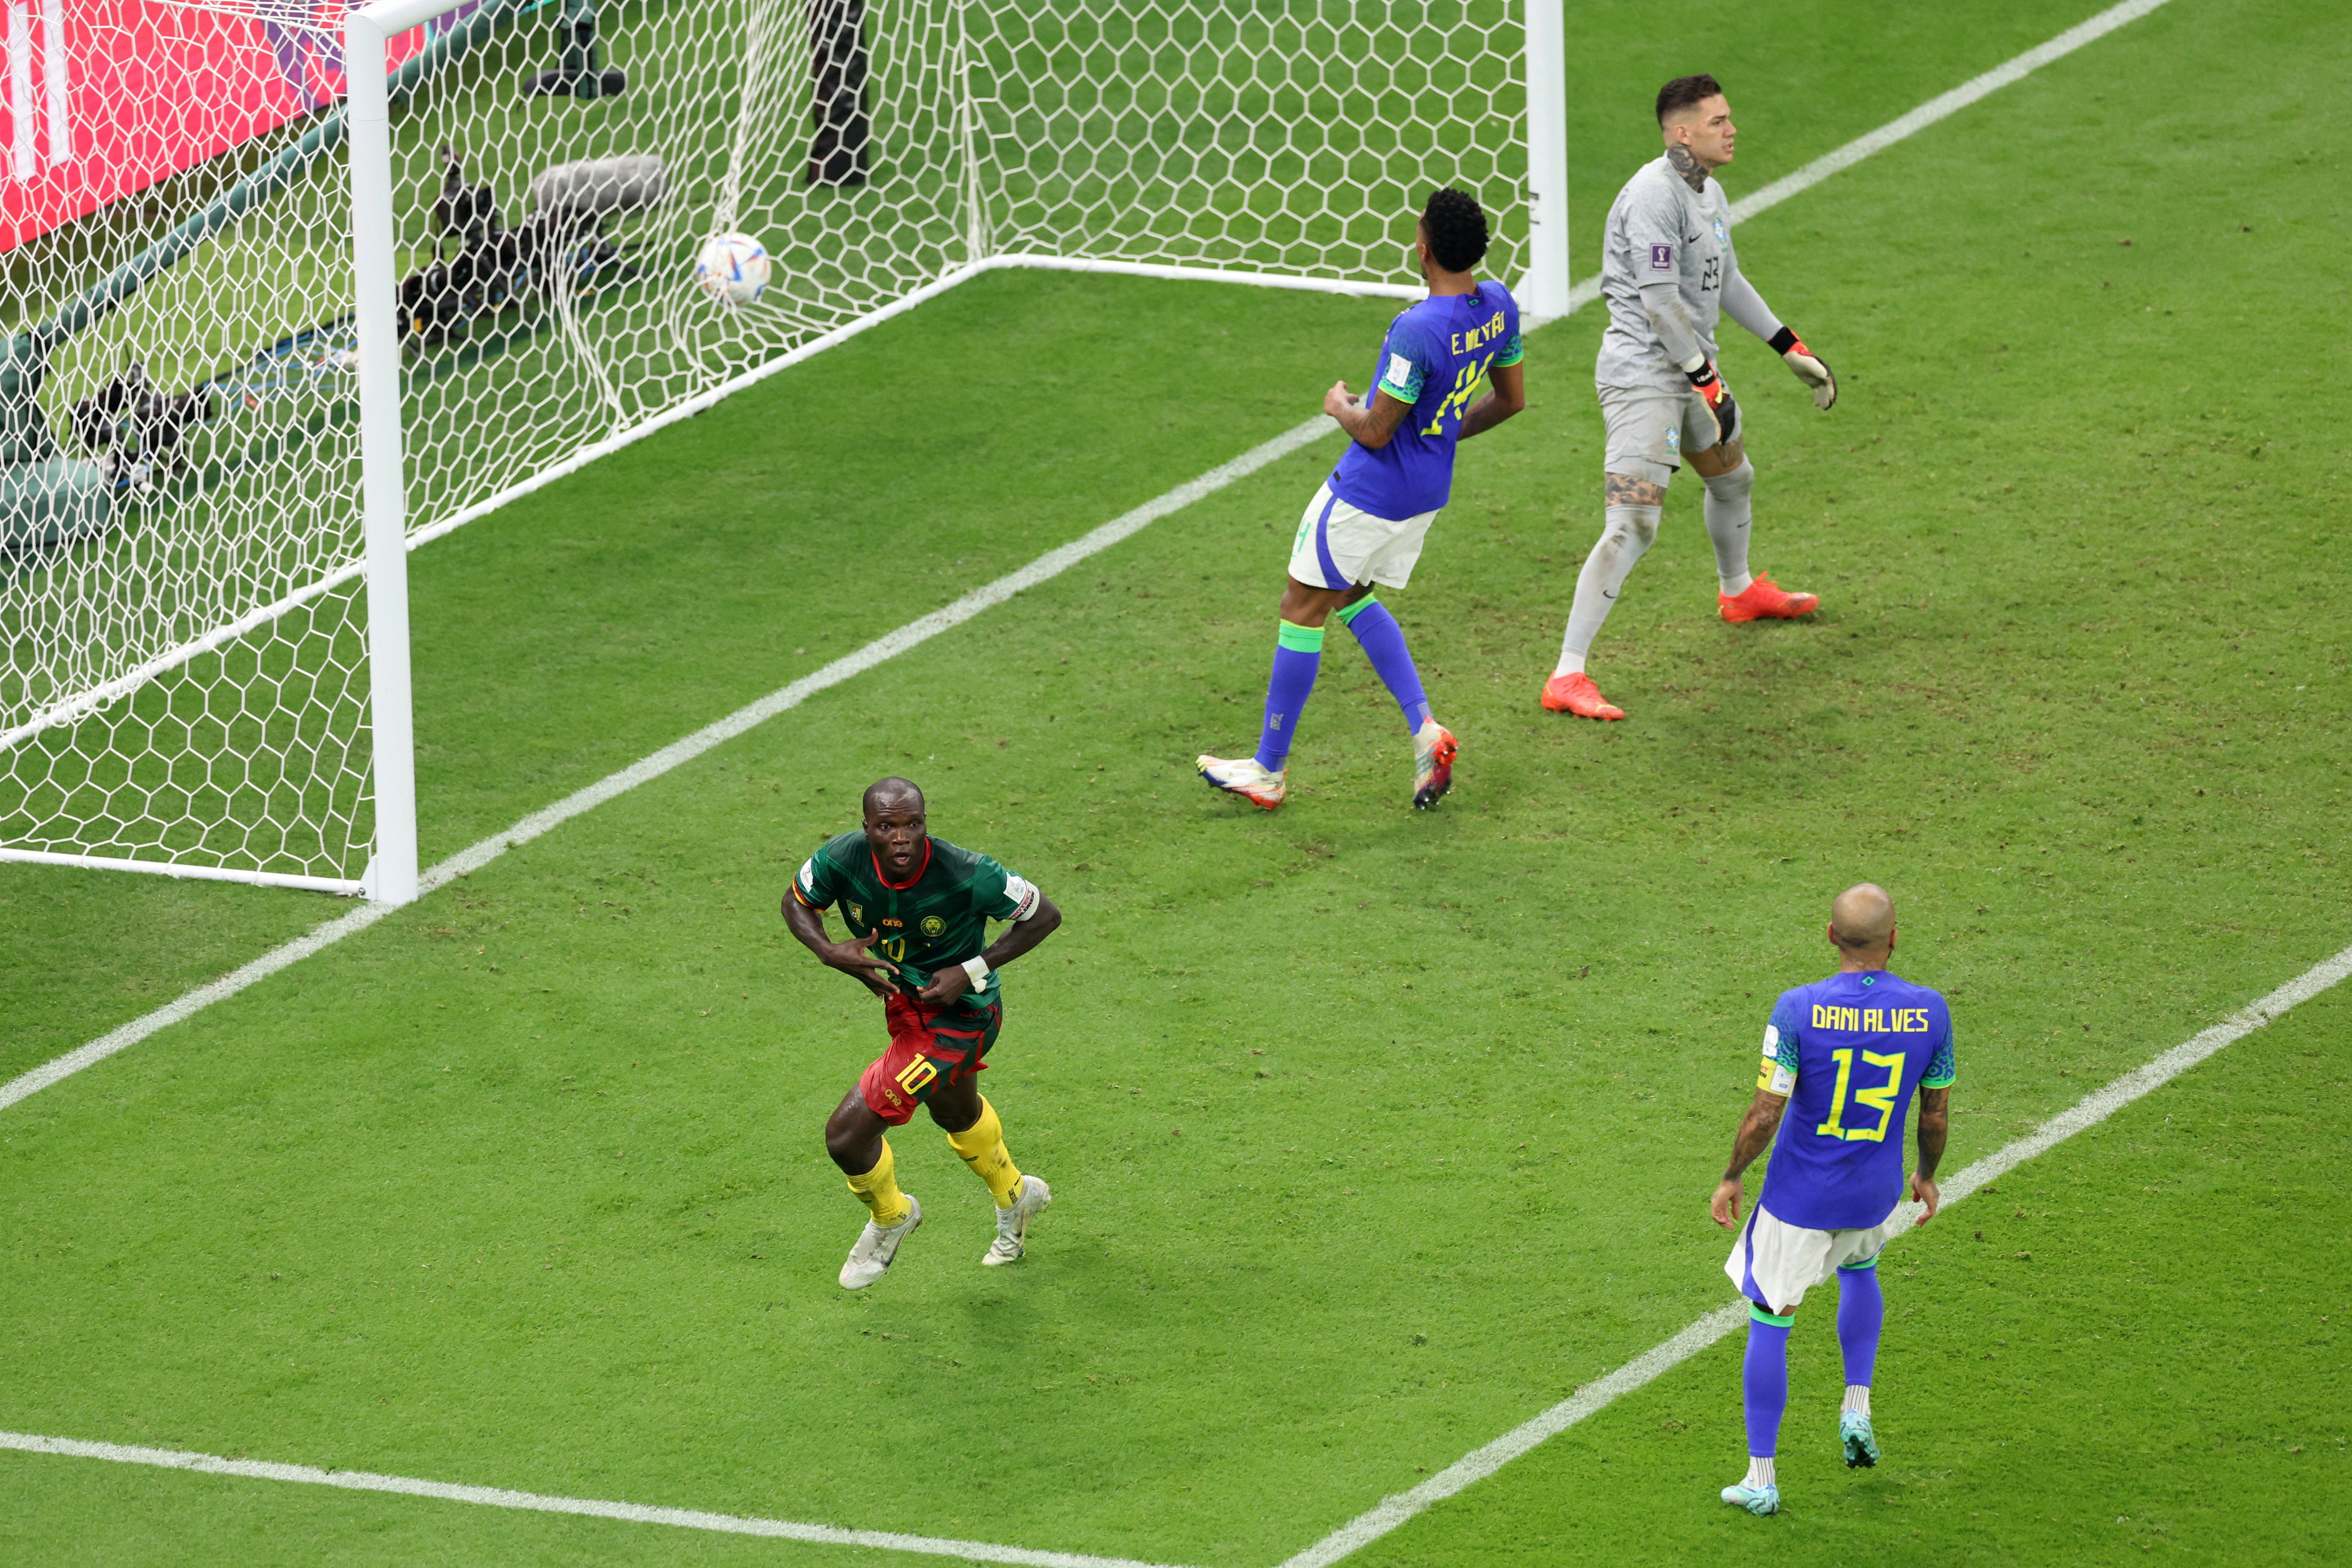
1373	1132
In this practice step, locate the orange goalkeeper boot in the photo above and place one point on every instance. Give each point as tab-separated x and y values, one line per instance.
1765	599
1576	693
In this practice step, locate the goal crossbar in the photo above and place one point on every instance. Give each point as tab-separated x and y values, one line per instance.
1015	123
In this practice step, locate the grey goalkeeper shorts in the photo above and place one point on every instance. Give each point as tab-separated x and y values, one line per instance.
1650	428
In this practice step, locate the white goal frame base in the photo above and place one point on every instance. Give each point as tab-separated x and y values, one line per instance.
392	873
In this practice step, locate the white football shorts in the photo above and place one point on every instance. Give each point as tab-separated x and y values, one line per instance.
1774	1263
1340	546
1650	428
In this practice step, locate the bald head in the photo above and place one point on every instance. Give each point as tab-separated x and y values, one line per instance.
884	794
1862	920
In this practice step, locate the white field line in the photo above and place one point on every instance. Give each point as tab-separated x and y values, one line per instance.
1051	564
1472	1468
1580	295
1942	106
2092	1109
2089	1111
1038	572
500	1496
344	886
83	704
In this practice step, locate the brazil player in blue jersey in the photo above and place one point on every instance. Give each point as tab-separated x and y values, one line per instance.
1366	524
1842	1058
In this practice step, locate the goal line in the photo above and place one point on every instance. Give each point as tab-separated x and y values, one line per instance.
1361	1531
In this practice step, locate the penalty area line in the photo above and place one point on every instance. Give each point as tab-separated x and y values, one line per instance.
538	1502
913	634
1358	1533
1048	565
1392	1512
2089	1111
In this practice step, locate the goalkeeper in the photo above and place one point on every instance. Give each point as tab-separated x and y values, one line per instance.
1667	270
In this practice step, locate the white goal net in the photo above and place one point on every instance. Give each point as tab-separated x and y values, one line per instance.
189	668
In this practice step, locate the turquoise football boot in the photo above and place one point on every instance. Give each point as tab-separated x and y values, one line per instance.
1754	1499
1854	1435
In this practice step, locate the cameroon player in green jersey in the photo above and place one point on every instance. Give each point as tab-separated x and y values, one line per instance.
917	910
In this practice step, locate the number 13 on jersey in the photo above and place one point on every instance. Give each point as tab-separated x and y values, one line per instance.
1879	1098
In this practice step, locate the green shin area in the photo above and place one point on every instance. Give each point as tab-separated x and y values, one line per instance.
1373	1132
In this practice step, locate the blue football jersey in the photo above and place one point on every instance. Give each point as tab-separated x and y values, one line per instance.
1848	1052
1433	357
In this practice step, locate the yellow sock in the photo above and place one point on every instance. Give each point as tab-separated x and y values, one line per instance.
878	1190
981	1147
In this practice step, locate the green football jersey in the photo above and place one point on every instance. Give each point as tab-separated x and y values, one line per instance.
937	919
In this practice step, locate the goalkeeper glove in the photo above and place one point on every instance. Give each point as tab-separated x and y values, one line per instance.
1708	384
1808	365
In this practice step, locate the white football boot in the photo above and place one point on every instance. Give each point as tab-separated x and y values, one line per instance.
871	1257
1433	751
1012	1224
1243	776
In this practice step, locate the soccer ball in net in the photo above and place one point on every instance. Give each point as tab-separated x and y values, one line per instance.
733	268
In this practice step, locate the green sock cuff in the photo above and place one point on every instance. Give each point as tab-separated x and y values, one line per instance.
1866	1265
1301	638
1761	1316
1349	613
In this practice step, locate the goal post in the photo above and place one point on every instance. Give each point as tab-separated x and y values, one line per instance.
387	269
1543	288
392	870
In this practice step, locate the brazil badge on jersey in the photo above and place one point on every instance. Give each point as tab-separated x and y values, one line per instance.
939	917
1849	1051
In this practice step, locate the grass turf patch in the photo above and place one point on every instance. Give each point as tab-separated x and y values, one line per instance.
1374	1132
2116	1351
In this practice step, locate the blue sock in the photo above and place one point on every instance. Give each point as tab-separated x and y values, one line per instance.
1383	644
1765	1380
1861	1311
1298	651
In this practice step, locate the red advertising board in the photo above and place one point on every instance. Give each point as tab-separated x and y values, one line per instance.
100	98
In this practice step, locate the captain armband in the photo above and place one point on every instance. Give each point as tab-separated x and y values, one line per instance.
1024	897
1775	1076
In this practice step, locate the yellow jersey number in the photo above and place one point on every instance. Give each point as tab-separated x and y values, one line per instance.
1880	1098
1465	381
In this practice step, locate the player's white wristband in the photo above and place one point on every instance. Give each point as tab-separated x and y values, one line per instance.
1693	365
978	969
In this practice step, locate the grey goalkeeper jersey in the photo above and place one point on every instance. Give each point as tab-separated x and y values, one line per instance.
1661	231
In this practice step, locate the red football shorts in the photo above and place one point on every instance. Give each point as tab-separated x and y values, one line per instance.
930	1049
